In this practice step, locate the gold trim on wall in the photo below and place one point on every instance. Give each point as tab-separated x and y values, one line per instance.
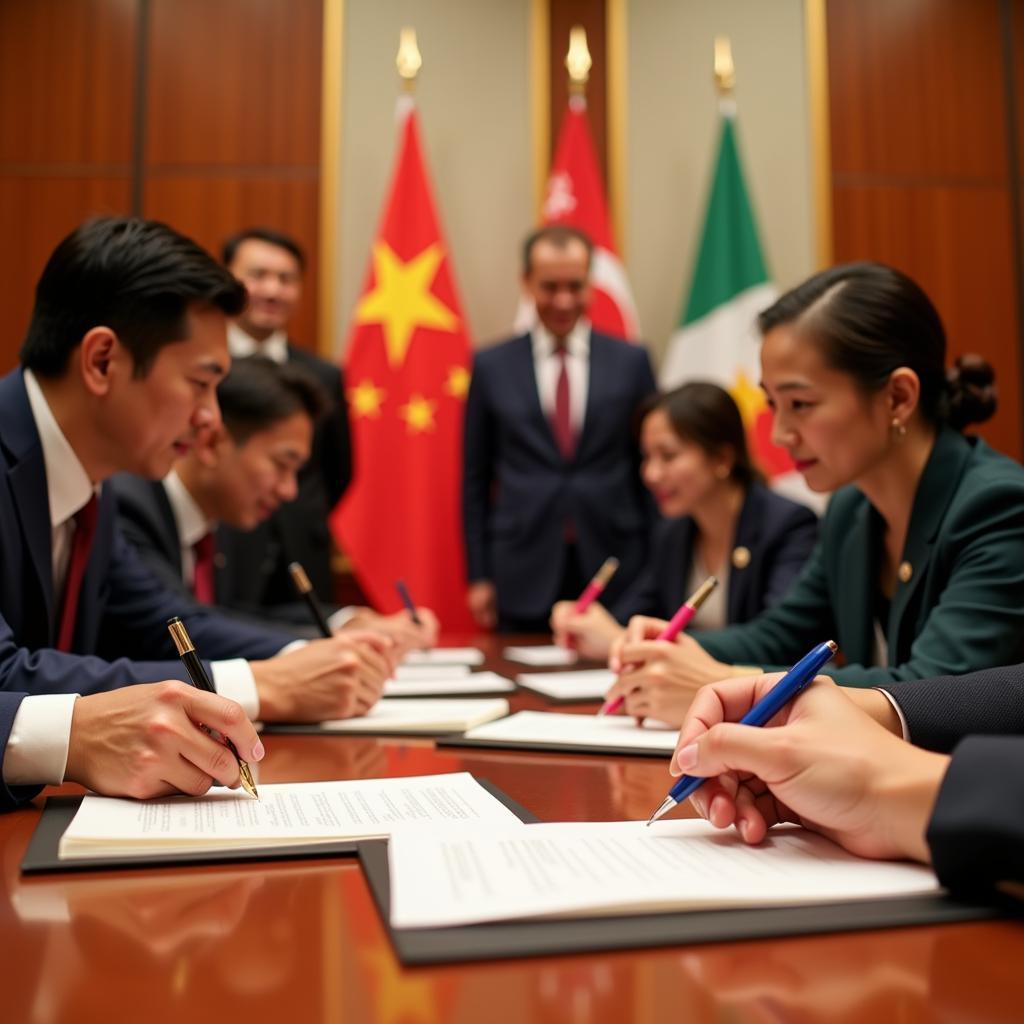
616	79
540	98
328	328
815	28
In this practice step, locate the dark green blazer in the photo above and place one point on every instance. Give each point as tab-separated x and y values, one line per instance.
960	610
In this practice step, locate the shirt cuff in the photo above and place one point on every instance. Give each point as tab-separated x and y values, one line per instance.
341	617
234	680
899	712
37	748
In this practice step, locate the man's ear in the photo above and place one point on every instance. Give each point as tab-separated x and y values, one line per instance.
97	354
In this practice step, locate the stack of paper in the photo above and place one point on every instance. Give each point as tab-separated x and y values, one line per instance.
456	875
589	684
424	673
543	729
548	656
450	685
285	815
427	716
446	656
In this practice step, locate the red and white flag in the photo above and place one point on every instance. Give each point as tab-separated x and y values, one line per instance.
407	375
575	197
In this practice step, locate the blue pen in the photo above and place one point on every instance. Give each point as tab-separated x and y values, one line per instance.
403	593
763	711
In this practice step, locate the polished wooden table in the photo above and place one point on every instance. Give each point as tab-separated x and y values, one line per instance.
297	941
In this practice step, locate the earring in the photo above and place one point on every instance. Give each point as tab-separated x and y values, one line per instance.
899	430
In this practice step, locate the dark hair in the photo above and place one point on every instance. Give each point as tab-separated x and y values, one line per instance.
136	277
706	415
258	393
869	319
268	235
558	235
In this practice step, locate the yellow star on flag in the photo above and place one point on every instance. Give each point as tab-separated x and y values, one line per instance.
457	384
418	414
401	299
750	399
366	398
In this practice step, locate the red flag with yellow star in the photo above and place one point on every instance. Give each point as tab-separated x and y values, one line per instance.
407	374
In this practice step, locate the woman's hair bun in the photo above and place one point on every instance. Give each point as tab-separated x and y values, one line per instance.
971	387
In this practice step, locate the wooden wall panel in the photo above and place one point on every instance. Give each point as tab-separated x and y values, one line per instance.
67	72
920	168
233	123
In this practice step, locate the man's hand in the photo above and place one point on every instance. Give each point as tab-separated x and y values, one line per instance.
591	633
482	601
146	741
821	762
337	677
399	627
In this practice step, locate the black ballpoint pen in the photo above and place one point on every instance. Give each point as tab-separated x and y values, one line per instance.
201	681
403	593
305	590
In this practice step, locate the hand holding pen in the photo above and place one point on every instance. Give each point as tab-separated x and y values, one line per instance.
763	711
200	680
682	618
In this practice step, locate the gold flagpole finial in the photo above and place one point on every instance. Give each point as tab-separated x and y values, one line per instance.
577	60
408	60
725	70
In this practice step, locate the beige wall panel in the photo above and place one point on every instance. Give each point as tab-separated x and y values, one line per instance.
473	96
671	133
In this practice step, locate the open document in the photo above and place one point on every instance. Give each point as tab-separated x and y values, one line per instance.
468	683
577	732
586	684
287	814
429	715
546	656
456	875
446	656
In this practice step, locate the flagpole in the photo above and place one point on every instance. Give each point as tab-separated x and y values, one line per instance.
725	76
408	61
578	63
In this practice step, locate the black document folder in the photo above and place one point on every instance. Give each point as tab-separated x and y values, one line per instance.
641	931
42	852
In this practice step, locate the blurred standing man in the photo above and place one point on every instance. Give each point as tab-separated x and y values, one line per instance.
551	483
271	265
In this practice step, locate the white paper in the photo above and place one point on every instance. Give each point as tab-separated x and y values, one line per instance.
456	875
597	731
446	656
548	656
422	673
448	686
587	684
434	715
286	813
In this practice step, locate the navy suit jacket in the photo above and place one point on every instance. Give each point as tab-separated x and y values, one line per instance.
147	521
519	492
120	632
778	533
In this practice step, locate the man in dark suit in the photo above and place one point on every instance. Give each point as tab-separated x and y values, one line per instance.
119	370
270	265
551	484
233	479
838	761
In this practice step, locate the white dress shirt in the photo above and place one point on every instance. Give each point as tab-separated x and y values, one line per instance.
37	749
191	524
547	366
241	344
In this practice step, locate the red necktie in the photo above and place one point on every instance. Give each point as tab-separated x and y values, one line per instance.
562	422
202	577
81	544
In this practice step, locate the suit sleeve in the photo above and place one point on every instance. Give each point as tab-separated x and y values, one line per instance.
791	551
976	831
942	711
479	455
11	796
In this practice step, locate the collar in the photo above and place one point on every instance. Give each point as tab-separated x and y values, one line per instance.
192	524
67	483
241	345
577	342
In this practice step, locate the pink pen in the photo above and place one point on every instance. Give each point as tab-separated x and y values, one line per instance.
676	625
595	587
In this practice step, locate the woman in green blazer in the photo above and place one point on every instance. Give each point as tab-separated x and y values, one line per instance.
919	569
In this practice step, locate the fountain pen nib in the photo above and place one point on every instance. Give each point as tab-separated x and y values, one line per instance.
666	806
247	780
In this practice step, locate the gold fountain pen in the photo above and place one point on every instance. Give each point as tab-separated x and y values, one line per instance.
200	680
